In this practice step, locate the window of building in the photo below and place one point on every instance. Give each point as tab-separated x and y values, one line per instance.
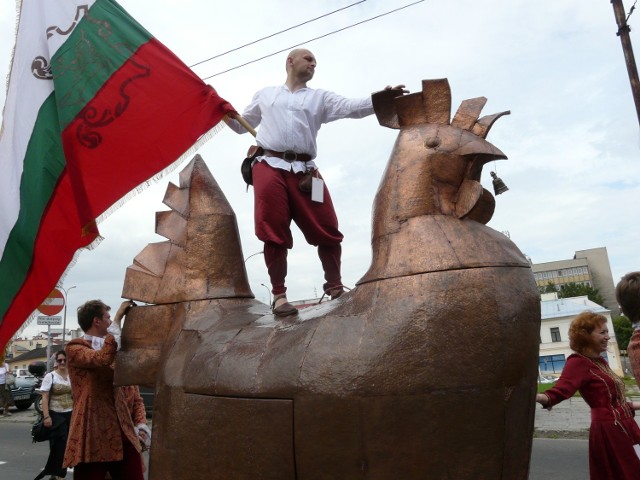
551	363
555	334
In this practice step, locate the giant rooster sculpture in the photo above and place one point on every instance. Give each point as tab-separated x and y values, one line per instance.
426	370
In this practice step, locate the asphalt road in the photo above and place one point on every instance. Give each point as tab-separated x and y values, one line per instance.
551	459
559	459
19	458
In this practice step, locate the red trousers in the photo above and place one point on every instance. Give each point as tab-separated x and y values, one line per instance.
278	201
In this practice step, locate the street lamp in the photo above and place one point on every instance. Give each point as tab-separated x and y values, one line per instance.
268	291
253	255
64	320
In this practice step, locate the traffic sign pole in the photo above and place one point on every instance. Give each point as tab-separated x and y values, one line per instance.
48	343
54	303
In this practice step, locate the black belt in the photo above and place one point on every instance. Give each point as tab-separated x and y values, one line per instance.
289	155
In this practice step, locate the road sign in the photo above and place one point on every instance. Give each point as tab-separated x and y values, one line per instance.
54	303
49	320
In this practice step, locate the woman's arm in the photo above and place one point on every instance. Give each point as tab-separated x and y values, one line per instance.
574	374
45	388
45	410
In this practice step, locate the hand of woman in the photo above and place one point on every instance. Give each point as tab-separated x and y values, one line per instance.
47	421
543	400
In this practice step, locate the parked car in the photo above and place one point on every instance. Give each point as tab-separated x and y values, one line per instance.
547	379
24	392
147	394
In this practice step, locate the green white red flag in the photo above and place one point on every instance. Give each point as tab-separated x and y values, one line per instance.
95	107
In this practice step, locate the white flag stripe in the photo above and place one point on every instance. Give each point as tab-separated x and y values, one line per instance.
53	301
20	111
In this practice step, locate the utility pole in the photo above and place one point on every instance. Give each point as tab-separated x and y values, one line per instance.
623	33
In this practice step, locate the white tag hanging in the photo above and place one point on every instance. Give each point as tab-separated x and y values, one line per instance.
317	189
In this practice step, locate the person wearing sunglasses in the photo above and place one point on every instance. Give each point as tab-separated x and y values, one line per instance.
57	405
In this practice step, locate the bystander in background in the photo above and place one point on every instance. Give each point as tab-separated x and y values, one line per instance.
57	405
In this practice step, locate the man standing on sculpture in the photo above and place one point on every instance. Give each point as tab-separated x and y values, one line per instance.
290	116
102	434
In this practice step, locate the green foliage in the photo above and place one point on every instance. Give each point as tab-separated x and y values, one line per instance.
548	288
577	290
624	330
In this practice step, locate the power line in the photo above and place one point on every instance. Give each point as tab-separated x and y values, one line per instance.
313	39
274	34
633	7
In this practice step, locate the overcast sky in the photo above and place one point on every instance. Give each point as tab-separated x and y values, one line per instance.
572	139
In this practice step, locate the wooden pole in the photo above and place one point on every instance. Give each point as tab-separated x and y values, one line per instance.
243	122
623	33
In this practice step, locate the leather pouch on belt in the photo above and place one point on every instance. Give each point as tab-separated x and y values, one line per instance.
305	182
253	152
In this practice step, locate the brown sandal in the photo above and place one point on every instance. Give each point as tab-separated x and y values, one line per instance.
335	292
284	309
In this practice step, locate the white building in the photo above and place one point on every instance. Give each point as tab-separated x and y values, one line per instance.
557	314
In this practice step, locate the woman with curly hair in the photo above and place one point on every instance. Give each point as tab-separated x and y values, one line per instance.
614	436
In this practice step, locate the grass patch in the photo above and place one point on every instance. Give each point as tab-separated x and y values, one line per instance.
545	386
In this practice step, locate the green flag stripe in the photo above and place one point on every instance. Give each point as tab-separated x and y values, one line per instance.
93	52
43	166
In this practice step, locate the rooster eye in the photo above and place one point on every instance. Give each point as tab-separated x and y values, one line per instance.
432	142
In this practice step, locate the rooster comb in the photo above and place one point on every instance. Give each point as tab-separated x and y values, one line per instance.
432	105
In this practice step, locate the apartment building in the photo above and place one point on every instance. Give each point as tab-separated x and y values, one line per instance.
588	267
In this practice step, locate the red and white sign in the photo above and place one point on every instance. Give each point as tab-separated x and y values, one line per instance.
54	303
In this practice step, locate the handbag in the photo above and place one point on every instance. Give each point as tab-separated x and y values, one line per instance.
40	433
245	168
10	379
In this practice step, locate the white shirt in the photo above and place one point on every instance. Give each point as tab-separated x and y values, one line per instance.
47	381
3	373
57	403
98	342
291	121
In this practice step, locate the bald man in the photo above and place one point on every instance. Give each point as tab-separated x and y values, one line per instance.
290	116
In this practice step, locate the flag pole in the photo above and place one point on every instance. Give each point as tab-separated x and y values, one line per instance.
240	119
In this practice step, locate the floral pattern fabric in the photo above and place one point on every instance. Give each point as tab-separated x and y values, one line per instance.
100	411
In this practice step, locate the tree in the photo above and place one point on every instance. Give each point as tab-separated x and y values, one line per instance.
577	290
549	288
623	328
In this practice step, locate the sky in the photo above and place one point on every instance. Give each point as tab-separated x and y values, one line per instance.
572	138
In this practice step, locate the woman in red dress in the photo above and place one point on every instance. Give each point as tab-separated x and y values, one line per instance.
614	437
